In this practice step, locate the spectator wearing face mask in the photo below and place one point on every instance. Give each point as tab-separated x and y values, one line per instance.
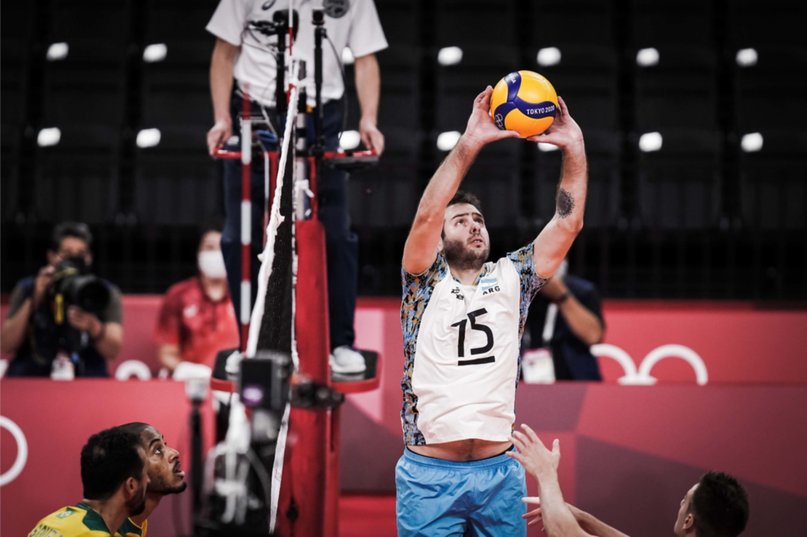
197	318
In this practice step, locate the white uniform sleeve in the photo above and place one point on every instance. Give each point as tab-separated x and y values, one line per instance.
229	20
366	34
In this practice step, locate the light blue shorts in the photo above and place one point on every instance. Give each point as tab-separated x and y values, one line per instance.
435	497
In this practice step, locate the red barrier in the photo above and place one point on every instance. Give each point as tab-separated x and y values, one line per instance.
737	342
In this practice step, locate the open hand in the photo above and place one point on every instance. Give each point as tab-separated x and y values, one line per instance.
532	454
564	132
481	129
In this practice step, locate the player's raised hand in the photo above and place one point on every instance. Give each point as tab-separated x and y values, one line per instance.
532	454
564	132
481	130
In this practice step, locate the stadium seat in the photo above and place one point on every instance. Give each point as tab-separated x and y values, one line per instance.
772	182
678	185
77	179
778	22
680	91
771	93
475	22
670	22
386	196
584	22
176	182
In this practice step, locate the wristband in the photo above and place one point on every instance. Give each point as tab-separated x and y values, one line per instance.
563	298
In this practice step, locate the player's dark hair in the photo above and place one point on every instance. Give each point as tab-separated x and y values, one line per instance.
466	197
108	459
135	427
720	506
70	229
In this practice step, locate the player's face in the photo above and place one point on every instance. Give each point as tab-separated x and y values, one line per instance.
681	521
465	238
162	462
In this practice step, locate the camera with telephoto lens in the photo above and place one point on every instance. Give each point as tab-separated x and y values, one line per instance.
78	287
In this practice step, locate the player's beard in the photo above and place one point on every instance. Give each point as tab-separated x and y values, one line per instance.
161	485
461	257
137	504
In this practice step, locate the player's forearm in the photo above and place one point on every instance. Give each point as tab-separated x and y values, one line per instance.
424	236
368	87
582	322
593	525
570	201
221	79
14	328
558	519
109	340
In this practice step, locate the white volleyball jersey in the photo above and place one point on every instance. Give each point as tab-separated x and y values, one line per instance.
461	347
348	23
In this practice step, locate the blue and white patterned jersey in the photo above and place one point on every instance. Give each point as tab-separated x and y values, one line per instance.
461	349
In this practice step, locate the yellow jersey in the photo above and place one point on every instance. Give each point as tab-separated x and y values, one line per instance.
130	529
72	521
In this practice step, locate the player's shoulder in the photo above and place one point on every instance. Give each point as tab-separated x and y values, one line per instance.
71	521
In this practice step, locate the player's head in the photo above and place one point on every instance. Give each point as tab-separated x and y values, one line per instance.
465	239
716	506
162	462
112	461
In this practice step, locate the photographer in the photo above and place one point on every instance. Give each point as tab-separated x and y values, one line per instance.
63	322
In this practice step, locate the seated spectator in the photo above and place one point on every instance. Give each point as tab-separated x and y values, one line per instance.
115	480
63	322
197	318
716	505
566	319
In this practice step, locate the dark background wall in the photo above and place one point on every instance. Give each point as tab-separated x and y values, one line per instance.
700	218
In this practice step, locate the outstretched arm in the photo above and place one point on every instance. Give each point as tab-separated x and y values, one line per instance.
554	241
424	236
543	464
594	525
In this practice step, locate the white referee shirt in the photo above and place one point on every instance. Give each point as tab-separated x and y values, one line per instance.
349	23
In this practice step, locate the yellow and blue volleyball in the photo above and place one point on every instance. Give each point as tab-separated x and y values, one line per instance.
525	102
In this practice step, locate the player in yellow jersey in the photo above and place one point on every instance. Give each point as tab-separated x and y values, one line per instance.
165	475
114	477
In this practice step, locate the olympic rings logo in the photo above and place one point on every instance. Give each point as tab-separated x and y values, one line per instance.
22	451
641	376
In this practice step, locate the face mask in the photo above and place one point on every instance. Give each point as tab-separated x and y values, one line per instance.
211	264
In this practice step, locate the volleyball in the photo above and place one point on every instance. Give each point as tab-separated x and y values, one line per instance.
525	102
